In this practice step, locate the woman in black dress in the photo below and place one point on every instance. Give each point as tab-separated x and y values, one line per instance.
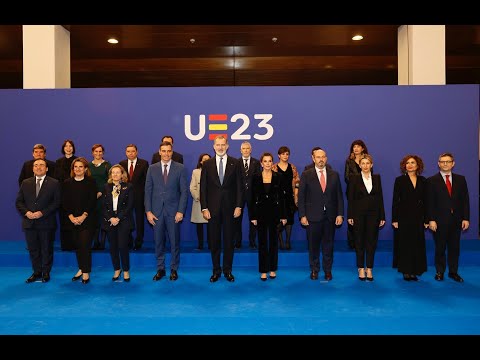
63	167
267	212
408	219
290	181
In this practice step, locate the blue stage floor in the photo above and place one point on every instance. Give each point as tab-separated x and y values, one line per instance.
290	304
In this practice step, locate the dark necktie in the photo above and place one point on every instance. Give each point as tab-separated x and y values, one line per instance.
165	173
130	174
246	166
37	187
449	184
220	171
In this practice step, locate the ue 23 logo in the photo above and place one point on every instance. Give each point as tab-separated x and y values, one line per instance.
218	124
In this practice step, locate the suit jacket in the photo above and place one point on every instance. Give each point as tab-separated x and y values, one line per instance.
312	200
27	170
213	195
253	170
47	202
269	206
175	157
139	177
124	206
439	203
360	202
170	197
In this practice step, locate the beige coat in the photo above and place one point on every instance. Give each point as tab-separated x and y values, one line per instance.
197	216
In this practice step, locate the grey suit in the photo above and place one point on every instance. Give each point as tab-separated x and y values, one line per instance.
164	201
39	233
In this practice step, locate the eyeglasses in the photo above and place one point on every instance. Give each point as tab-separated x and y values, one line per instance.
445	162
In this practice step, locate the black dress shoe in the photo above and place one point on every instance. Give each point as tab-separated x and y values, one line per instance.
438	276
214	277
413	278
126	279
455	277
85	281
34	277
46	277
229	276
115	278
272	276
160	274
328	276
75	278
406	277
173	275
314	275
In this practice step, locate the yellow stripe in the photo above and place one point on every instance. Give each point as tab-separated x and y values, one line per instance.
217	126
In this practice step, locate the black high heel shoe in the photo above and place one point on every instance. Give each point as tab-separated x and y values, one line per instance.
86	281
406	277
115	278
360	277
263	278
77	277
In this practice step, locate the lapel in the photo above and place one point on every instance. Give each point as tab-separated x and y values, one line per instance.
44	185
443	184
228	169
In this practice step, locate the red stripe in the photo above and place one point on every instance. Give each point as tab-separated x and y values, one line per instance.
217	117
213	136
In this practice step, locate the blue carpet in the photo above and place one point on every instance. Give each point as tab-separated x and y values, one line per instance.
290	304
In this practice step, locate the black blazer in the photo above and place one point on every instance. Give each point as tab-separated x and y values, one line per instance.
139	176
312	200
439	202
47	202
360	202
253	170
27	170
214	196
267	206
125	204
63	168
177	157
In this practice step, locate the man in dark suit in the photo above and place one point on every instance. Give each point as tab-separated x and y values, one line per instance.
175	156
320	207
221	200
136	169
250	168
39	152
166	195
37	201
448	213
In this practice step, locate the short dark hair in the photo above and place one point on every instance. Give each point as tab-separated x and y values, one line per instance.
131	145
97	146
316	148
446	154
283	149
165	143
65	143
265	154
418	159
167	136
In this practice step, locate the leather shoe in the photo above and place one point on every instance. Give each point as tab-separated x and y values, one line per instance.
439	276
413	278
173	275
160	274
34	277
229	276
76	277
455	277
328	276
314	275
115	278
214	278
46	277
85	281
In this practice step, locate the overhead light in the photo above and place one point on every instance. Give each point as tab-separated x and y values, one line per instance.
357	37
112	41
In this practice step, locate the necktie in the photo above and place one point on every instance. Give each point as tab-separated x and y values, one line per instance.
220	171
165	173
130	174
246	166
323	183
449	184
37	188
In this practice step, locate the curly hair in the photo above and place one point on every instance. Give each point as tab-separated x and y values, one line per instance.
418	159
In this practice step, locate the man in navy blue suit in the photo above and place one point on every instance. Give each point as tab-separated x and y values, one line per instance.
320	207
37	201
448	207
166	195
221	200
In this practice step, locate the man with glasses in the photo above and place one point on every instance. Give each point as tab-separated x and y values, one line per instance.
448	212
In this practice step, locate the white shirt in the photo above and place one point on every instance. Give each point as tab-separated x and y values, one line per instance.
319	172
41	178
130	162
224	160
168	166
445	179
368	182
247	160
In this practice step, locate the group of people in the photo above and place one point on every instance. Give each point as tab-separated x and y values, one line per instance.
97	199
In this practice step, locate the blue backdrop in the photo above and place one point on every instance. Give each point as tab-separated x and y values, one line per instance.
392	120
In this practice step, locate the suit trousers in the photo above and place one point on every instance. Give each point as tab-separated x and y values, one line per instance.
40	248
320	235
82	240
222	223
166	225
119	237
252	229
447	238
267	246
365	228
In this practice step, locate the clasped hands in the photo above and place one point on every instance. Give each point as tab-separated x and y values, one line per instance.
33	215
